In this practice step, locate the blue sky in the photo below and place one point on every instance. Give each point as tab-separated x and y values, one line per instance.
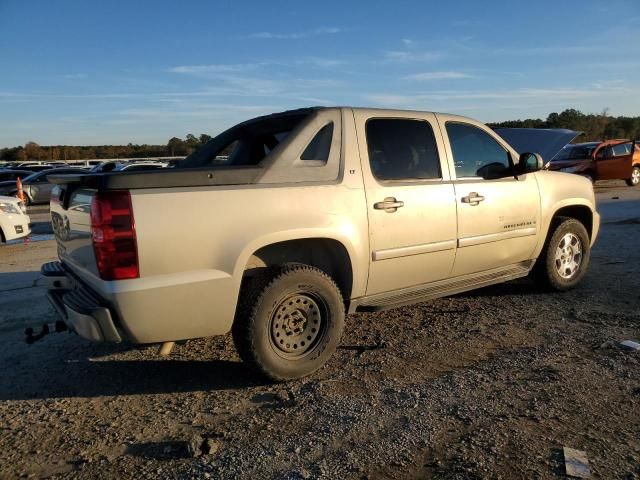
108	72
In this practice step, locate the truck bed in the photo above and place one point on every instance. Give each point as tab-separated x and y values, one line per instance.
163	178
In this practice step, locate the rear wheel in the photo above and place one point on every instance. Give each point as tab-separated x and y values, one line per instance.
289	321
634	180
565	257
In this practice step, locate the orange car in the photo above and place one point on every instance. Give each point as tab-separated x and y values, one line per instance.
610	160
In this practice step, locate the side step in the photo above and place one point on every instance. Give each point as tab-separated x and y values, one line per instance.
442	288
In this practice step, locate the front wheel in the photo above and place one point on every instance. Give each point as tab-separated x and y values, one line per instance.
565	256
289	321
634	180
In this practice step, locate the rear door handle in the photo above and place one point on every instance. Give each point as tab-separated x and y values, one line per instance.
389	205
473	199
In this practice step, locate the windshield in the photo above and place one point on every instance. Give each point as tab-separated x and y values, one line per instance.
575	152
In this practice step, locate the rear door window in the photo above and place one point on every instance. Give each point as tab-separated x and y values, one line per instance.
621	149
402	149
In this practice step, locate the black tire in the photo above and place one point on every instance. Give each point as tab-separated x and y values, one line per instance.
634	181
289	321
548	268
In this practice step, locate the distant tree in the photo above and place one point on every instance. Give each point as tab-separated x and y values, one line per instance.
175	146
32	151
593	126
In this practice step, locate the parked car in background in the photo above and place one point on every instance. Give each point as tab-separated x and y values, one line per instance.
609	160
140	166
105	167
130	166
545	141
31	168
14	221
303	217
32	164
35	187
7	175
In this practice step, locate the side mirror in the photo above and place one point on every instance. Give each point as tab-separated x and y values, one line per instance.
529	162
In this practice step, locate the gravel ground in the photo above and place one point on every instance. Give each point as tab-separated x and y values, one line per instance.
488	384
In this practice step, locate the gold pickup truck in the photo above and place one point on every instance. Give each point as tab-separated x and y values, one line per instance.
282	225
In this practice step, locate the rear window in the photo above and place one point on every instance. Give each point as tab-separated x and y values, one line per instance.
320	146
248	143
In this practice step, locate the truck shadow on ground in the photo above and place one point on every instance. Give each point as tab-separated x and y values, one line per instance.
519	287
68	373
63	366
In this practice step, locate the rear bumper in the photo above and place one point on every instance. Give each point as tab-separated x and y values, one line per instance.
83	311
152	309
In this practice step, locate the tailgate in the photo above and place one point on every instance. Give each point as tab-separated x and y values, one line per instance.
71	221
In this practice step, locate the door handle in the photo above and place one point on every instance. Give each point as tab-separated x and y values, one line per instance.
389	205
473	199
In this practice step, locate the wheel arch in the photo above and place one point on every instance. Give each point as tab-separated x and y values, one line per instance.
582	213
327	254
579	211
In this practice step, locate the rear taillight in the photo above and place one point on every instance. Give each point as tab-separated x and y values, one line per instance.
114	235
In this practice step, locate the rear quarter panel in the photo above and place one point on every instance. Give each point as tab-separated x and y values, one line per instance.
194	245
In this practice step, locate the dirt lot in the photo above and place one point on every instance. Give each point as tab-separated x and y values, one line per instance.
489	384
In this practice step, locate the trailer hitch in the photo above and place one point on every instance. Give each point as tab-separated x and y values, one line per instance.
57	327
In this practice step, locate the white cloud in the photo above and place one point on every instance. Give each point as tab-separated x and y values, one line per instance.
295	35
437	76
320	62
404	56
215	68
530	94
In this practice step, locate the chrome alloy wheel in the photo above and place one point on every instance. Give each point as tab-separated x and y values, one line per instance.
568	255
635	176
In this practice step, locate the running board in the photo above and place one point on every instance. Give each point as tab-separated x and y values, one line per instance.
441	288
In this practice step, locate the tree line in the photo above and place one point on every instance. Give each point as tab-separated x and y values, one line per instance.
175	147
599	126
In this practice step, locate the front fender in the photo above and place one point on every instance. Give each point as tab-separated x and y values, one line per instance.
561	190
